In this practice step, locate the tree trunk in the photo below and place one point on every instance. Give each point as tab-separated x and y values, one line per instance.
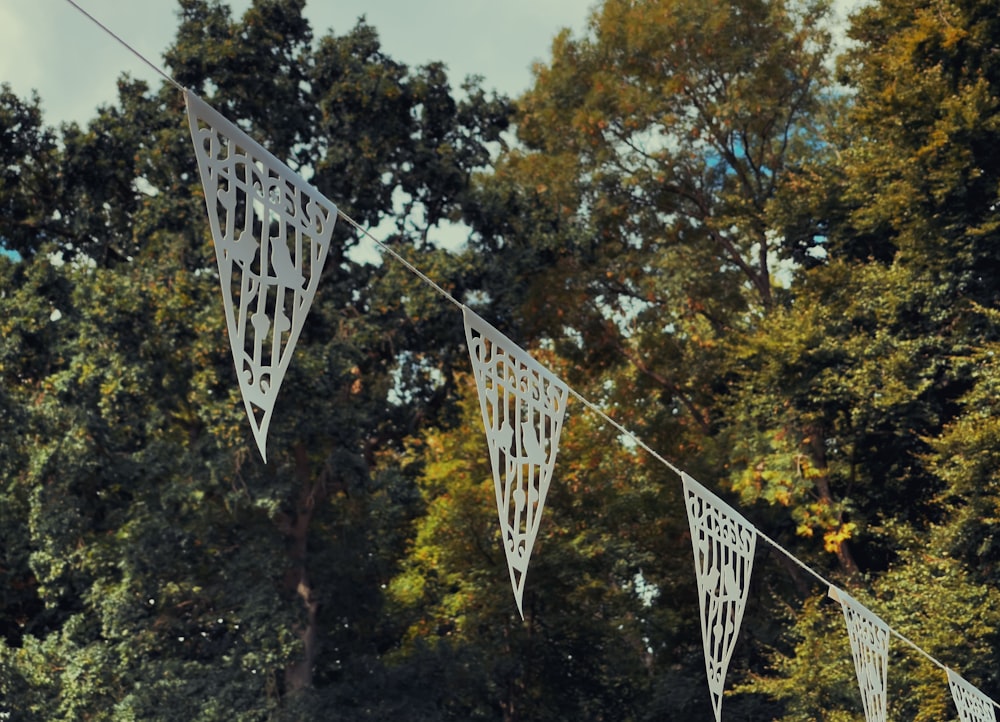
299	674
844	555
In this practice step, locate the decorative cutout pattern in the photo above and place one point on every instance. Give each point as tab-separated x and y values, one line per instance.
272	232
973	705
870	648
523	406
724	544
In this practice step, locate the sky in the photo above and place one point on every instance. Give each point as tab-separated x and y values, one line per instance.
49	46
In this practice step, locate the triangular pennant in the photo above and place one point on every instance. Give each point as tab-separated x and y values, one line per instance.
724	544
973	705
272	232
870	648
523	406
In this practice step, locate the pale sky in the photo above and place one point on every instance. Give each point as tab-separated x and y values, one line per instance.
49	46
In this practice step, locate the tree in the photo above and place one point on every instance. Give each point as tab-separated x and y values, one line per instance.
865	383
831	409
639	228
922	178
653	147
159	570
601	605
784	288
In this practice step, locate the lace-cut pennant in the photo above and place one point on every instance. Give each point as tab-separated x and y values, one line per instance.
973	705
272	232
523	406
724	544
870	649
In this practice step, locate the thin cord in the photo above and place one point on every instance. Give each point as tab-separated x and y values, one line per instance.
927	655
642	444
768	540
587	403
625	432
128	47
805	567
409	266
823	580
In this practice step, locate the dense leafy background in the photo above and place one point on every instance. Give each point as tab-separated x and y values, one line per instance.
777	267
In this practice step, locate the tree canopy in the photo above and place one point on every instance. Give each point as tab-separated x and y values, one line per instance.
778	268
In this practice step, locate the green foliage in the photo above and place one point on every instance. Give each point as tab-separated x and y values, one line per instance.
837	396
599	596
872	405
152	567
787	289
922	177
26	152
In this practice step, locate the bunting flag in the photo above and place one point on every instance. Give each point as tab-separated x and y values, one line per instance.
523	406
272	232
870	649
973	705
724	544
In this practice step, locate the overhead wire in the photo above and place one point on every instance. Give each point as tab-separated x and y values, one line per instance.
156	68
587	403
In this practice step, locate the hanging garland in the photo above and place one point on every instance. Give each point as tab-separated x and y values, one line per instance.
272	230
523	405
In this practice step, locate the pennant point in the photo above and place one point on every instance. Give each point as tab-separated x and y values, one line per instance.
260	436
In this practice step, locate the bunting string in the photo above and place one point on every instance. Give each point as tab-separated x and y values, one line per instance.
973	705
406	264
142	58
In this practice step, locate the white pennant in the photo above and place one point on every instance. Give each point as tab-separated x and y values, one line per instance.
724	544
973	705
272	232
870	649
523	406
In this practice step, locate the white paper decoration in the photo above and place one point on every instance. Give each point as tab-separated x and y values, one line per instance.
523	406
870	649
973	705
724	544
272	233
